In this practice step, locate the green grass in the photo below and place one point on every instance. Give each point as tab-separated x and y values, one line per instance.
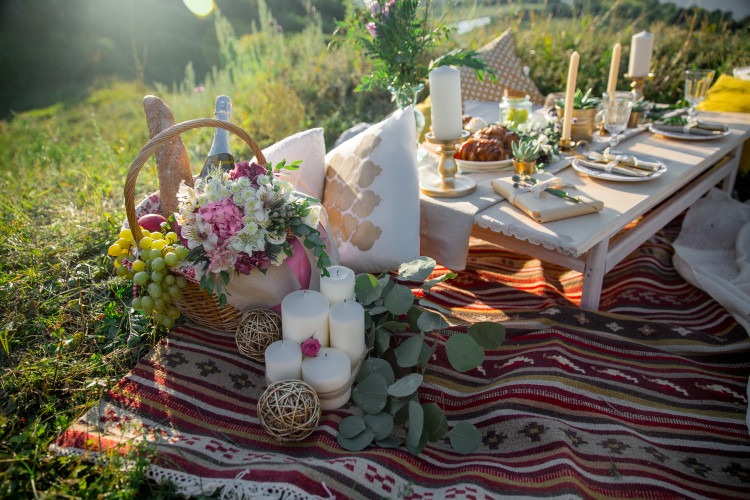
66	331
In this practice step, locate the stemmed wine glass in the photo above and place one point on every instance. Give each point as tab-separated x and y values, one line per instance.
617	107
697	82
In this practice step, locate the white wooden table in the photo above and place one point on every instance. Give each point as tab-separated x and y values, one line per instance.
593	244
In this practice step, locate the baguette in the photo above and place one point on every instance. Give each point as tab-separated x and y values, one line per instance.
172	162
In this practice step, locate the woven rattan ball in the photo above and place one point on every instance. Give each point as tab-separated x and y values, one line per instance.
258	329
289	410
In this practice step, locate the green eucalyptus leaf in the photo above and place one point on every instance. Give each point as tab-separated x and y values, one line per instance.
381	424
351	426
425	354
374	311
416	424
487	334
399	300
407	354
430	321
382	340
413	317
367	289
376	365
395	326
465	438
434	281
371	394
435	421
418	269
390	442
406	386
463	352
395	405
357	443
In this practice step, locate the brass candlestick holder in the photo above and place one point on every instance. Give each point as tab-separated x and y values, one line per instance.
566	145
449	184
637	83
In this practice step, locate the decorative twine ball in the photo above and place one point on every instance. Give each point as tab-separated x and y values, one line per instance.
289	410
258	329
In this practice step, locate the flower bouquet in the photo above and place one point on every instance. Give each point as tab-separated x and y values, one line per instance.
240	240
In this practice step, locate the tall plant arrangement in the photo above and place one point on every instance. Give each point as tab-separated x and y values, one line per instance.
400	37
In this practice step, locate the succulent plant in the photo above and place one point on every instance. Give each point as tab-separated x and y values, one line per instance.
581	100
526	149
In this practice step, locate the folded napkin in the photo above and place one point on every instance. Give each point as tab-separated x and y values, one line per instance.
543	206
615	168
623	160
696	128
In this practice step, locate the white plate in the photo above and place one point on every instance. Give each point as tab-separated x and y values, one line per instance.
608	176
483	166
688	137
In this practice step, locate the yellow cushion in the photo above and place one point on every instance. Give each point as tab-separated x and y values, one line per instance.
728	94
500	55
732	95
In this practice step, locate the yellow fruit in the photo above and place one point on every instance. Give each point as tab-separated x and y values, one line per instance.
145	242
114	250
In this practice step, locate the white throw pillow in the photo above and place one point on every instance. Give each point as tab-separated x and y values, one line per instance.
371	195
308	146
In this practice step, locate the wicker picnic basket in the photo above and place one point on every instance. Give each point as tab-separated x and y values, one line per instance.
197	305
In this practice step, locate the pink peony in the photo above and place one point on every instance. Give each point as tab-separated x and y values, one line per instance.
310	347
224	217
251	171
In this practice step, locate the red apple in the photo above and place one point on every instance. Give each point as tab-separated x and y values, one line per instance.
151	222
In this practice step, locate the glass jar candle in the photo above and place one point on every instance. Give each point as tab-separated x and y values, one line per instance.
515	110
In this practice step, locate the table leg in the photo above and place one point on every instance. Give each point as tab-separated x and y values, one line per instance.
593	275
728	182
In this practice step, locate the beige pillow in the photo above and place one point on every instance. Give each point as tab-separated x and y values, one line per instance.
500	55
371	195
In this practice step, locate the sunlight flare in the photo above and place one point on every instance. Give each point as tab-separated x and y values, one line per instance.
200	8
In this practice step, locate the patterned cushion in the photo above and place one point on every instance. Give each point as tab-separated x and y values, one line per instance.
500	55
371	195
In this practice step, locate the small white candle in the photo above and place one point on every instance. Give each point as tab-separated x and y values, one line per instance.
329	371
614	68
641	47
445	96
339	285
347	326
570	91
304	314
283	361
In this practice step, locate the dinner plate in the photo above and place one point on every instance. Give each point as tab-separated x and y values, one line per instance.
483	166
687	137
608	176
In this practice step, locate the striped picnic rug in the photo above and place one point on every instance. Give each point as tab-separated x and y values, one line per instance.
642	400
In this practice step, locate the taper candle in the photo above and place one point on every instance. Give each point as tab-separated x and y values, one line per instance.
445	96
614	68
570	90
641	47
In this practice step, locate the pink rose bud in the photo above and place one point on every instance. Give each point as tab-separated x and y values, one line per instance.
310	347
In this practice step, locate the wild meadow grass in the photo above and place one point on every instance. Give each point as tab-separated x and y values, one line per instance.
67	333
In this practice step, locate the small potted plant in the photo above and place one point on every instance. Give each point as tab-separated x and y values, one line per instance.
526	151
584	114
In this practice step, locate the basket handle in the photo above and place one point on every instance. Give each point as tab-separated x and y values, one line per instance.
163	137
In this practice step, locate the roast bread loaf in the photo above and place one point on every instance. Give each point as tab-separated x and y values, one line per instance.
491	143
172	160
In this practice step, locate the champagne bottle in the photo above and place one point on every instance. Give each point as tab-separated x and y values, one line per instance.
220	154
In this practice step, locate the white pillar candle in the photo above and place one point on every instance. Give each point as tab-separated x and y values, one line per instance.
339	285
329	371
614	68
283	361
304	314
346	320
445	96
570	91
641	47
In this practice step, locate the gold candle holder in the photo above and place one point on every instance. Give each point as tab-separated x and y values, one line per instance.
566	145
449	184
637	83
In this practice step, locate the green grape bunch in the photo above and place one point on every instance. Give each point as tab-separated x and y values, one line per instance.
150	264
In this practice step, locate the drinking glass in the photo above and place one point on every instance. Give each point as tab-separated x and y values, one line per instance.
697	82
616	106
